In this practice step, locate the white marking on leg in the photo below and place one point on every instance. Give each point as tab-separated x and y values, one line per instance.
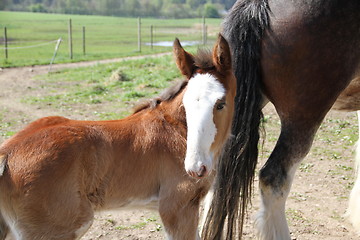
353	211
270	221
202	93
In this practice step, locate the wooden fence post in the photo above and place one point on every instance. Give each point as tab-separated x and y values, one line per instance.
151	36
70	40
139	34
6	45
83	38
203	31
205	36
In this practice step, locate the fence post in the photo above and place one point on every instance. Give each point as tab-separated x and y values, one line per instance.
139	34
205	36
151	36
55	52
83	38
70	40
6	50
203	31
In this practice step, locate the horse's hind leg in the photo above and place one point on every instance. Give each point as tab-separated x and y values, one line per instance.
69	230
65	215
354	201
276	178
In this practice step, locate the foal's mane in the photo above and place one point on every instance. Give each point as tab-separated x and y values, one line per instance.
167	95
202	60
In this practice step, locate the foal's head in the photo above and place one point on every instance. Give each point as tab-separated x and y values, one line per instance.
209	104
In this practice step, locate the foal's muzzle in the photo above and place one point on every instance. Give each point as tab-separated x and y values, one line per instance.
202	172
198	165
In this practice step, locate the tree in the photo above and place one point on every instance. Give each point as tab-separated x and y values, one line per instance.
210	11
3	4
38	7
177	1
134	8
194	4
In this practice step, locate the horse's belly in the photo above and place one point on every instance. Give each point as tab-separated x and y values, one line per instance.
151	203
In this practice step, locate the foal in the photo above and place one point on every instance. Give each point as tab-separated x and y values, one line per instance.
57	172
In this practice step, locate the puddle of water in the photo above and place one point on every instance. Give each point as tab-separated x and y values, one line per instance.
170	44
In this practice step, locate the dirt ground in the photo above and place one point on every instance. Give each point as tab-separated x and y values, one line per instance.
316	204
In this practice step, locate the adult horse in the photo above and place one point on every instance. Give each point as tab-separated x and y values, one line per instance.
57	172
302	56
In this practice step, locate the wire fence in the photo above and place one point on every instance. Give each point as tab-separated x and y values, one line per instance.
79	43
32	46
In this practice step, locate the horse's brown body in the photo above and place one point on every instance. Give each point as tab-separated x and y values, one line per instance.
310	56
57	172
302	56
310	60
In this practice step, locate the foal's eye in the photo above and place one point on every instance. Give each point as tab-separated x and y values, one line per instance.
220	105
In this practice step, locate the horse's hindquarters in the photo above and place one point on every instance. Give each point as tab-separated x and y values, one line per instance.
312	50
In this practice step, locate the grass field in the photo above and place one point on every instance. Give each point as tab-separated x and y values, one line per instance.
121	84
106	37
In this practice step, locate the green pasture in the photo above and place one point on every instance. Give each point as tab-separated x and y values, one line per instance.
105	37
119	85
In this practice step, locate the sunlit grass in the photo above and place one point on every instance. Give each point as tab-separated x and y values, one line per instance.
117	83
106	37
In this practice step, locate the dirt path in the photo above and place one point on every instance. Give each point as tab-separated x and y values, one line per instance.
15	82
316	204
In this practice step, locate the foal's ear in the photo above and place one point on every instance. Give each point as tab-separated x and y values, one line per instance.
184	60
222	55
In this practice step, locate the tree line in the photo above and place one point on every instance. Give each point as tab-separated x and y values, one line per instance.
126	8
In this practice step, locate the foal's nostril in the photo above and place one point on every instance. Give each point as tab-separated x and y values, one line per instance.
202	171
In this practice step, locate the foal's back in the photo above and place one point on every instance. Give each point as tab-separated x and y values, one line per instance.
85	165
96	153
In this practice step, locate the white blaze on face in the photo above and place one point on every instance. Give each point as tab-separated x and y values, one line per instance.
202	93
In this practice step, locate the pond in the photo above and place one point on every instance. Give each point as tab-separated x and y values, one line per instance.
170	43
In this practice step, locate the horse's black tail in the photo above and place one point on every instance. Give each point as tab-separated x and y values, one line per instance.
243	28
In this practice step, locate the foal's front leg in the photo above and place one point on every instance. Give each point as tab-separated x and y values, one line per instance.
180	222
179	212
206	206
276	178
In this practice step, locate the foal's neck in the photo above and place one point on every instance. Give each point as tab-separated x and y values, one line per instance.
162	126
171	110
